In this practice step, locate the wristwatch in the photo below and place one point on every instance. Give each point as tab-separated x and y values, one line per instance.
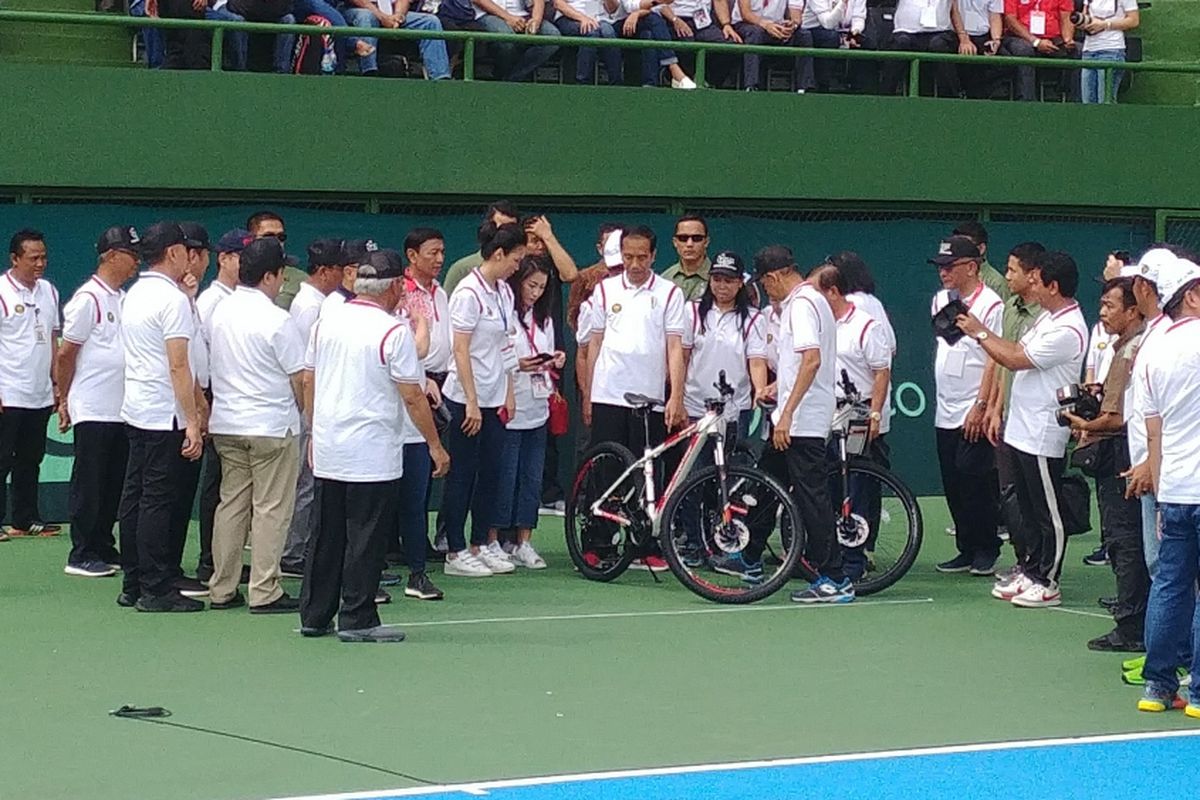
982	335
876	416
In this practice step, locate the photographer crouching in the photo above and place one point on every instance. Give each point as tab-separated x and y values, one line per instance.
1103	454
1049	356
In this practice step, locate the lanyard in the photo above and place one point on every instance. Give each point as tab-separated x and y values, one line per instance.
529	334
499	295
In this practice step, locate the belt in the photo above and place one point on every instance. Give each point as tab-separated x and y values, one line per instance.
437	377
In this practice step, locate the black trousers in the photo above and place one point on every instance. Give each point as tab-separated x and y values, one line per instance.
1006	469
804	468
342	562
185	49
210	497
153	475
972	492
97	478
181	511
619	424
1038	488
1121	533
22	446
938	42
1027	76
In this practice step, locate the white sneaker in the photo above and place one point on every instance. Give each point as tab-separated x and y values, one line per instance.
499	565
1038	596
683	83
509	548
527	557
497	549
1007	590
466	564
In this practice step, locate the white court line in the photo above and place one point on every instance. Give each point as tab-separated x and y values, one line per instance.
482	787
1080	613
681	612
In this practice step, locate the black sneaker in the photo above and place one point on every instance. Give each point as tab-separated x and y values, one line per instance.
314	632
1097	558
1107	603
127	600
382	598
420	587
237	601
284	604
960	563
293	570
168	603
390	579
1114	642
984	565
189	587
380	633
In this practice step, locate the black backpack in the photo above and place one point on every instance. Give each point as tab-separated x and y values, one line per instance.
314	55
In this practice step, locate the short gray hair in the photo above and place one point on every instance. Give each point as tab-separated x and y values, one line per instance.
373	286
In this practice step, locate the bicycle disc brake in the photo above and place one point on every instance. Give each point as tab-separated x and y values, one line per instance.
853	531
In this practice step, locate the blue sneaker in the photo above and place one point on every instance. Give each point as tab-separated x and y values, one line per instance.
826	591
736	566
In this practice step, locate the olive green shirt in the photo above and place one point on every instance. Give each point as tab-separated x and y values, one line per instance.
693	286
994	280
292	278
459	270
1019	317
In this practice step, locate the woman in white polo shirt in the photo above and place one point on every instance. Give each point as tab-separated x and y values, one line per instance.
479	395
519	490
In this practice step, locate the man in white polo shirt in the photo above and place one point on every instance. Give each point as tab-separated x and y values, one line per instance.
967	459
327	260
162	409
354	251
365	378
1172	384
91	374
29	325
1048	357
257	364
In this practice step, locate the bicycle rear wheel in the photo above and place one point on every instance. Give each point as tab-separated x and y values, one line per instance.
600	547
882	532
719	555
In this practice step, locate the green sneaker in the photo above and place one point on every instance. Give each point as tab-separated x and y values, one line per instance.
1130	664
1133	677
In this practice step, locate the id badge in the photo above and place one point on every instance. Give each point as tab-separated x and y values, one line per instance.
540	383
956	363
701	18
1037	23
39	332
929	16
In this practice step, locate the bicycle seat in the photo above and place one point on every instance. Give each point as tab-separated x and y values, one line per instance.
641	402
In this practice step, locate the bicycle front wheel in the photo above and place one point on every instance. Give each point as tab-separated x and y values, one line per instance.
880	528
717	551
600	547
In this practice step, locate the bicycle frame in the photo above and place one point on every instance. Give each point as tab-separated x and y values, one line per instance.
710	425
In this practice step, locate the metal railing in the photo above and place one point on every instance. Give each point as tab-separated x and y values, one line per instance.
473	39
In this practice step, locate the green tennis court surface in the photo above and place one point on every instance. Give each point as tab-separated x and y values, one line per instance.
528	675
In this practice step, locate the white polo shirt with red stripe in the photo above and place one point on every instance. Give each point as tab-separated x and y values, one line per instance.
441	339
488	314
1172	383
958	368
772	348
155	311
359	353
1057	346
1100	352
726	342
635	321
862	349
306	309
1135	394
806	323
92	320
28	321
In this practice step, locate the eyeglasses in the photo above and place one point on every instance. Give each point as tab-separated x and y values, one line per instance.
690	237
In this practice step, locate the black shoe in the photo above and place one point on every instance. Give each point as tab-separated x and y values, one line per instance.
313	633
960	563
984	565
237	601
1107	603
1114	642
204	574
295	570
420	587
433	555
382	598
168	603
390	579
1097	558
380	633
189	587
284	604
127	600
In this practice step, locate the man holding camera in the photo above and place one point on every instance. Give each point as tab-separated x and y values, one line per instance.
1047	358
1104	436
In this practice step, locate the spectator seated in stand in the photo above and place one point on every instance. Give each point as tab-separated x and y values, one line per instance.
704	21
237	43
593	19
922	26
1040	30
835	24
395	14
643	21
513	61
773	22
979	27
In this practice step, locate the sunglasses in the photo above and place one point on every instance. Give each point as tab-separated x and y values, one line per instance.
690	237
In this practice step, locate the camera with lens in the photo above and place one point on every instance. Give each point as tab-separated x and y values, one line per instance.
1082	15
1079	400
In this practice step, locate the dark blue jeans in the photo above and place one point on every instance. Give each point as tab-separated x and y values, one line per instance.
519	482
412	512
653	26
585	61
1172	618
471	482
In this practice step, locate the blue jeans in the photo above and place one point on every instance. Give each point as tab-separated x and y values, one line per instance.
585	61
1091	78
1150	533
1172	621
653	26
152	38
514	62
412	512
433	51
519	478
471	482
237	43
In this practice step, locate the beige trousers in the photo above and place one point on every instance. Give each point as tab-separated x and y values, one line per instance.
258	495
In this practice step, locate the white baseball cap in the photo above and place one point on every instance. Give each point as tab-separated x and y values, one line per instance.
1150	265
612	250
1172	279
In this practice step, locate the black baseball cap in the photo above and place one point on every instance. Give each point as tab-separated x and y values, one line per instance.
356	250
119	237
265	253
197	235
772	259
381	264
955	248
161	235
328	253
728	263
234	241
